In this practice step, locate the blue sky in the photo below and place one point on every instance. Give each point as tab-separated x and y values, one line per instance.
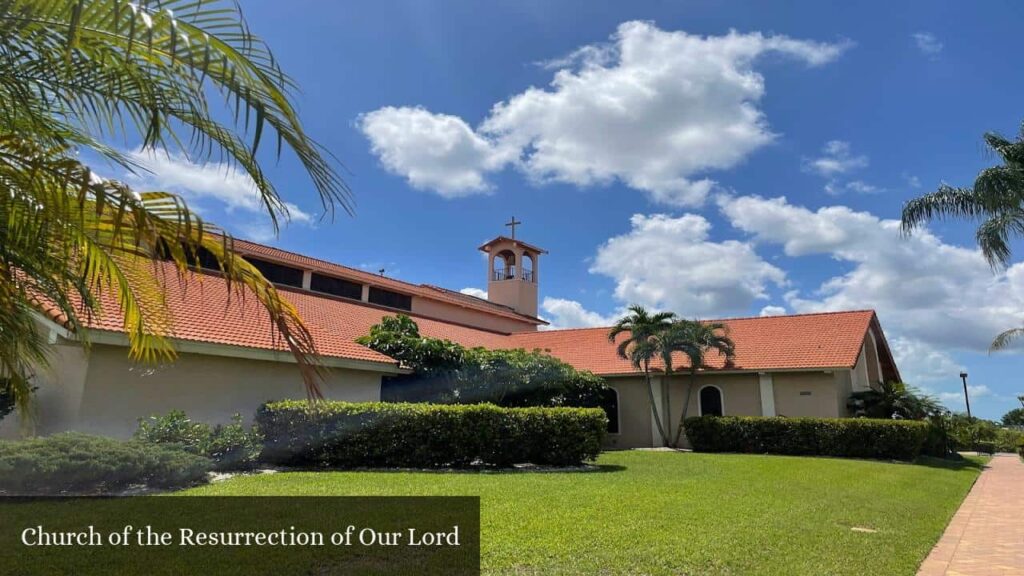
713	158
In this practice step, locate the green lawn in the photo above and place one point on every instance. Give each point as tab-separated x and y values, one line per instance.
682	513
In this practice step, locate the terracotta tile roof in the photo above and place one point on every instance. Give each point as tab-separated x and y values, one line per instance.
201	310
825	340
322	266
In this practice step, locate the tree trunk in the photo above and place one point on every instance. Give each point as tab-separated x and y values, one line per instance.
666	394
654	407
686	406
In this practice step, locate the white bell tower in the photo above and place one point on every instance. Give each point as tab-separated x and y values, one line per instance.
512	272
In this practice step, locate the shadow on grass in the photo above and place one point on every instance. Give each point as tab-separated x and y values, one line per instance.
955	462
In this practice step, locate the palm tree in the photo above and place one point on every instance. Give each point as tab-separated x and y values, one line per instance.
641	347
695	340
996	200
893	400
73	76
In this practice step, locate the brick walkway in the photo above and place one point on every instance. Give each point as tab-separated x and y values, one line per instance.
986	536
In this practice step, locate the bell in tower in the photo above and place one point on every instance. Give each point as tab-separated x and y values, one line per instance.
512	267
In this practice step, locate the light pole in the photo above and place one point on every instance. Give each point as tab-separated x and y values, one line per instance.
967	399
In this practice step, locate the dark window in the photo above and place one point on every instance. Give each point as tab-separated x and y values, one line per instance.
390	299
198	257
710	401
610	404
206	259
278	273
336	286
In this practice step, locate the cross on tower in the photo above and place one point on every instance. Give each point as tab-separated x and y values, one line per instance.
513	225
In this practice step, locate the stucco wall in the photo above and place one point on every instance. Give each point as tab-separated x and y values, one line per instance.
634	414
860	376
210	389
806	394
468	316
844	387
741	395
58	394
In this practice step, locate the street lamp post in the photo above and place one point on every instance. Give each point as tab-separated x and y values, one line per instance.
967	399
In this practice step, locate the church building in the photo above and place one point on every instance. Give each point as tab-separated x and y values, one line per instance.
229	361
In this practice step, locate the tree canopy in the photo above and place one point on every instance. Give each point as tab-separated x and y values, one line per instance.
995	201
446	372
168	75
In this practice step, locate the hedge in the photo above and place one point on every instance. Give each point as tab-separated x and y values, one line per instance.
844	437
378	434
74	463
228	446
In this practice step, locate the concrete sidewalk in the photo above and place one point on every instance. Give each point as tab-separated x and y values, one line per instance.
986	536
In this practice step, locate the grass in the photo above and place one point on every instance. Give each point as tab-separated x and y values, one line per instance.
682	513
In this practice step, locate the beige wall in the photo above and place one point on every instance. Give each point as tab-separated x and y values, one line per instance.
468	316
634	414
59	392
116	392
806	394
741	395
874	368
844	387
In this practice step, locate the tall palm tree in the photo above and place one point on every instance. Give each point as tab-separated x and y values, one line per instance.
996	200
169	75
641	346
695	340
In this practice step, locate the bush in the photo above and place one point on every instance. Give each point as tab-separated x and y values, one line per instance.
229	446
938	442
74	463
985	448
844	437
447	373
1007	439
381	434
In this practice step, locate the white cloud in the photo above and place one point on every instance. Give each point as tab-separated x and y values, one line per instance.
927	291
219	183
861	187
921	363
912	181
836	158
670	263
230	187
928	44
562	313
475	292
772	311
433	151
654	109
957	398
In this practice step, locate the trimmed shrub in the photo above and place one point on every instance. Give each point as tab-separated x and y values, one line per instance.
377	434
985	448
229	446
843	437
73	463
